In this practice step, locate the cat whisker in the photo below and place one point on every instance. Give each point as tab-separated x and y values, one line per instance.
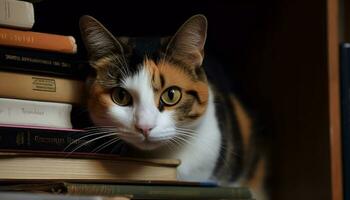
188	137
106	144
92	140
118	145
190	133
98	127
105	128
186	134
183	140
123	65
185	129
175	142
169	144
85	136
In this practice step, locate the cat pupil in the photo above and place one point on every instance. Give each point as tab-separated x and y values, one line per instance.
171	94
121	95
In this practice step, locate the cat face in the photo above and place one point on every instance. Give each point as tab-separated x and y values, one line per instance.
150	98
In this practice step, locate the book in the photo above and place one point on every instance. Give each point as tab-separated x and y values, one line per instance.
38	196
38	40
16	14
15	168
59	142
138	191
43	63
41	88
35	113
345	114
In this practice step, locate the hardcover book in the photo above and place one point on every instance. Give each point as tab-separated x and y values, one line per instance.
35	113
135	191
36	196
41	88
64	142
43	63
16	14
37	40
15	168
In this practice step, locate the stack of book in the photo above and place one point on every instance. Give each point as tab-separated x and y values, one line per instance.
41	150
41	80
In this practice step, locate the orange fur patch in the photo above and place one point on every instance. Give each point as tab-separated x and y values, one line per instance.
176	76
244	122
99	100
256	183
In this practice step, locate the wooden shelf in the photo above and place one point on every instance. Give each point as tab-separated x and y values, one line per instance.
333	35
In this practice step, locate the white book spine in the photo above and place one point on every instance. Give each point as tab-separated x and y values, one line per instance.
35	113
16	14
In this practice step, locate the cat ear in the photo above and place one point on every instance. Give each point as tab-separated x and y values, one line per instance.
187	45
98	41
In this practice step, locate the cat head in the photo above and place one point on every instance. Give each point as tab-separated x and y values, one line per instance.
149	94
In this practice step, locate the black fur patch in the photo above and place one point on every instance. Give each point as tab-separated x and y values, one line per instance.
162	80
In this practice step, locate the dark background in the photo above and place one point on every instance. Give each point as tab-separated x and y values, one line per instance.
235	28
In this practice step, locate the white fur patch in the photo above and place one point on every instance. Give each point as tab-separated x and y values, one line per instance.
198	160
143	113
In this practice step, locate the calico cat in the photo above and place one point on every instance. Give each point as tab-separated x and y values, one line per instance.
154	94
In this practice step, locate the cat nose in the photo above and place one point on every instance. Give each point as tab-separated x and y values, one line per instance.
144	129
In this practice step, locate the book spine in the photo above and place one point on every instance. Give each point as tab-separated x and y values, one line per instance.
25	139
16	14
160	192
41	196
35	113
42	88
345	114
36	40
40	62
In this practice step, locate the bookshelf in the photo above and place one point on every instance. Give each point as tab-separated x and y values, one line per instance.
283	57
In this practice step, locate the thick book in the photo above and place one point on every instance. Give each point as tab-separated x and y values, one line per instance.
43	63
15	168
40	196
58	142
345	115
38	40
16	14
151	190
160	192
35	113
41	88
138	191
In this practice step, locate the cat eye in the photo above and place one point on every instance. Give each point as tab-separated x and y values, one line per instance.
171	96
121	97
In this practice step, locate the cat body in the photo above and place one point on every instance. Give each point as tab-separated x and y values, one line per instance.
155	95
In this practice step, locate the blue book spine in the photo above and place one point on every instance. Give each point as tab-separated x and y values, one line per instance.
345	115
